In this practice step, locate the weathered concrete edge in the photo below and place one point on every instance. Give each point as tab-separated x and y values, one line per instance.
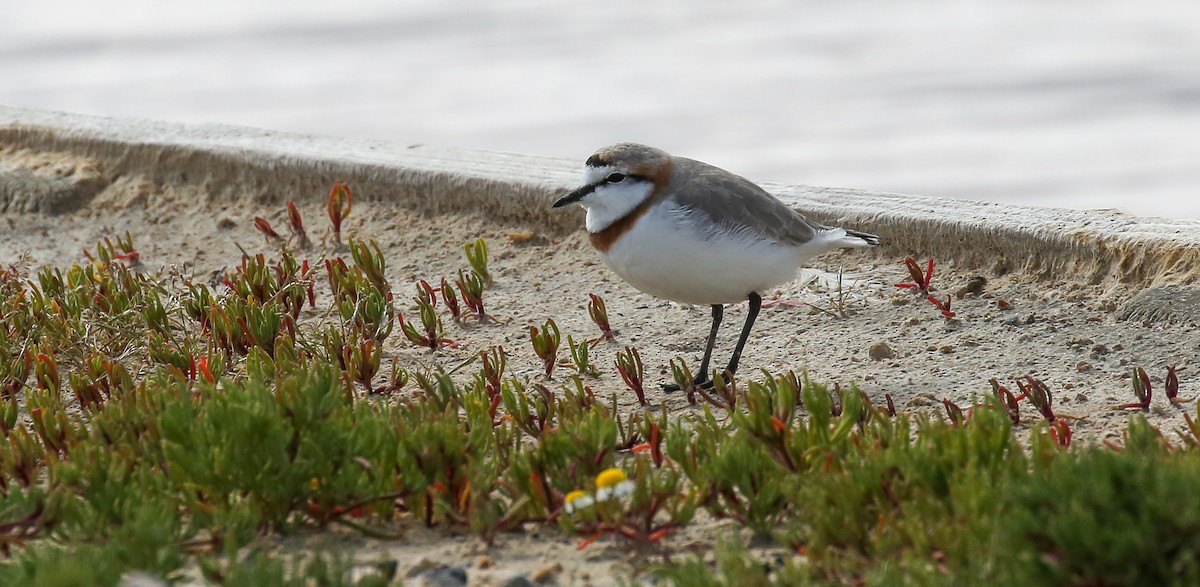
234	162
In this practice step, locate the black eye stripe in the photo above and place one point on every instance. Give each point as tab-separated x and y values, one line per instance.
633	176
625	176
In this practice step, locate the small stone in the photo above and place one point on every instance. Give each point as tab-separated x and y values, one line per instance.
880	351
1003	304
1079	342
974	286
421	566
520	237
483	562
546	574
1098	350
946	349
518	581
924	399
1083	366
226	223
443	576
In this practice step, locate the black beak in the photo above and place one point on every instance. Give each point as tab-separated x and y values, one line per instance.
575	196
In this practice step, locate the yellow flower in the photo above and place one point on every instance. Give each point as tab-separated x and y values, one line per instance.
577	500
612	483
610	477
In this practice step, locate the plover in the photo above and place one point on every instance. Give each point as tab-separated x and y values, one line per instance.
689	232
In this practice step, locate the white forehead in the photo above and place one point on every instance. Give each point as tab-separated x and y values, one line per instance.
594	174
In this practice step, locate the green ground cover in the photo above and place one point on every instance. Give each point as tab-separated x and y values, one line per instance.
158	424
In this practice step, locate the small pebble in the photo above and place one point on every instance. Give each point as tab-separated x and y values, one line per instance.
1080	341
924	399
421	566
521	236
880	351
443	577
546	574
974	286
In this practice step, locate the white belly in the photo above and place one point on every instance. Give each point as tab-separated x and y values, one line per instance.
667	260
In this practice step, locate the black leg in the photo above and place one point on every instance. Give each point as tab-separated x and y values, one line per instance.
701	377
717	312
755	306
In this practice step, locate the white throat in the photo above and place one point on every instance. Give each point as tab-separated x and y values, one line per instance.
612	201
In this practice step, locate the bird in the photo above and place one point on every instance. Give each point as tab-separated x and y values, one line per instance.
693	233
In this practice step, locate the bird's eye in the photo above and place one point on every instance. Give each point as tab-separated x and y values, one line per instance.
616	177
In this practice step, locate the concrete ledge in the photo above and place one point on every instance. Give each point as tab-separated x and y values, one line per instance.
233	163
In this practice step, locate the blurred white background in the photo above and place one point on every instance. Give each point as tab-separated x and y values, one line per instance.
1083	104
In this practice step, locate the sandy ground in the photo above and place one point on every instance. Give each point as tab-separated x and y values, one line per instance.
1063	332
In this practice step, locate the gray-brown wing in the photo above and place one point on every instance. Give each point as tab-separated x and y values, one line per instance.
736	204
